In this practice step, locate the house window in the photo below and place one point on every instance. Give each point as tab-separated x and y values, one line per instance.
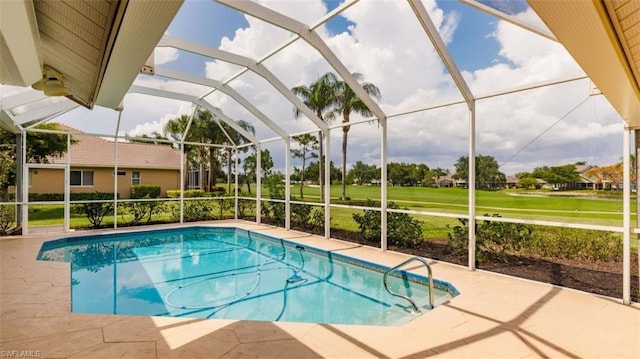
81	178
135	178
122	173
194	179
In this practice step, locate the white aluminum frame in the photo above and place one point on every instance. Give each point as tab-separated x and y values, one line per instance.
23	122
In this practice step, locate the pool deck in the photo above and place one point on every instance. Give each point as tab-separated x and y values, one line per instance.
494	316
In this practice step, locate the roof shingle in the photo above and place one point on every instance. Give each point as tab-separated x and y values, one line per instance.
91	151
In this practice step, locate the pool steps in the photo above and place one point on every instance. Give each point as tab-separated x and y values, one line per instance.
413	303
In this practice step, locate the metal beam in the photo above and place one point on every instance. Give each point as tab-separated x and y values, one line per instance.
431	30
626	216
258	183
170	41
472	187
20	47
510	19
196	100
7	123
47	111
312	38
21	99
226	89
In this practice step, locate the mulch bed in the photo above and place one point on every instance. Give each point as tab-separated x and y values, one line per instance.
603	278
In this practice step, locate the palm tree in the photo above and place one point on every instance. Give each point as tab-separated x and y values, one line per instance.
175	128
205	129
347	102
238	139
308	144
320	97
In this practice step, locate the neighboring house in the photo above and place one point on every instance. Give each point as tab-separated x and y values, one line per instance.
606	177
511	181
92	167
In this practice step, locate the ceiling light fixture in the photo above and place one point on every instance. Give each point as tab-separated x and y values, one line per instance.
51	83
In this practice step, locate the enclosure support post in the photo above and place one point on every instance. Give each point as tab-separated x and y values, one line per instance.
24	180
637	172
287	184
17	201
182	155
383	185
115	170
236	190
472	185
67	191
259	182
626	218
327	184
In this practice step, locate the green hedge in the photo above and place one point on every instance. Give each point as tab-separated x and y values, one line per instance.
7	215
503	238
191	193
145	191
574	243
59	197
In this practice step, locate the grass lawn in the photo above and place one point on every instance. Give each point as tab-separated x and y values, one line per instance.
440	200
455	200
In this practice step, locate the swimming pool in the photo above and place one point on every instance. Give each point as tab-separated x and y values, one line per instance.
232	273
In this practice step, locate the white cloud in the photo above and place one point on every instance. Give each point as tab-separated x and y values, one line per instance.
399	58
163	55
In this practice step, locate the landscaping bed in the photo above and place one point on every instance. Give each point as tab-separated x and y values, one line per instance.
597	277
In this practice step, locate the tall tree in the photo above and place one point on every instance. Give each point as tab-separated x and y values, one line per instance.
205	128
250	165
176	129
231	137
308	144
348	102
40	147
560	176
320	97
364	173
488	175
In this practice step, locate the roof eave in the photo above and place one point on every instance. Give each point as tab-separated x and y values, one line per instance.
585	30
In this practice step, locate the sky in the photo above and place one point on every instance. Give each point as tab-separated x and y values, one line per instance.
382	40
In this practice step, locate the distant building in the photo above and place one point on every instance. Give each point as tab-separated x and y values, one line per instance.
92	167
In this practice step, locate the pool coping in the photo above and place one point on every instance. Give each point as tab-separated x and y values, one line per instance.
494	316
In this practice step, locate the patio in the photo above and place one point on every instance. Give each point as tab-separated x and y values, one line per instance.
494	316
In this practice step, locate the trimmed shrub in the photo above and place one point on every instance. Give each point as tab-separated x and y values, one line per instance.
574	243
7	215
491	237
300	214
317	221
274	211
246	207
145	191
194	210
402	230
191	193
46	197
146	209
225	204
95	212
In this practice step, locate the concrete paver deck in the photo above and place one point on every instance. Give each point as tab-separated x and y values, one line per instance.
495	316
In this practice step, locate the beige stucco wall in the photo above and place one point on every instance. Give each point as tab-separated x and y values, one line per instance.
52	180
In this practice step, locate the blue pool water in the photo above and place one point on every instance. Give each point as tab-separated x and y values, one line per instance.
213	272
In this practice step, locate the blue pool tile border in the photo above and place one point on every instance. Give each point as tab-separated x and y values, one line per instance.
437	283
109	237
